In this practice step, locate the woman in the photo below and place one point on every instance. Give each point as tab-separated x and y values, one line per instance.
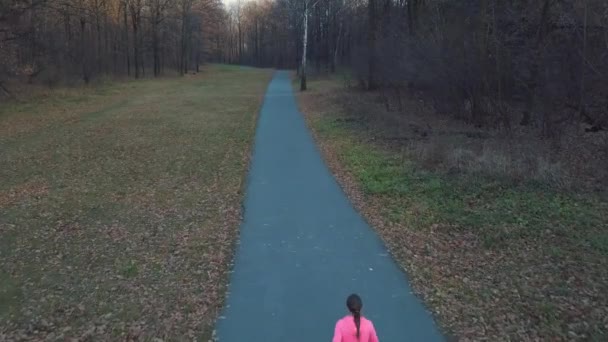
354	327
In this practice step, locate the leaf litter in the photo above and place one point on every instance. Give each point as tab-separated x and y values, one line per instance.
543	287
136	212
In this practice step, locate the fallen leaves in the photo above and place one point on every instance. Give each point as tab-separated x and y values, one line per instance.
131	235
30	190
521	290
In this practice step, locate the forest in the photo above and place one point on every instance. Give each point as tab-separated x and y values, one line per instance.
54	42
470	135
493	63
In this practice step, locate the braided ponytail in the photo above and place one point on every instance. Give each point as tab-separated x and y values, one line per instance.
357	317
354	304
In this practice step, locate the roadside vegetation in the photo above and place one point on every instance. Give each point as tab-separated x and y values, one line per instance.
503	241
120	203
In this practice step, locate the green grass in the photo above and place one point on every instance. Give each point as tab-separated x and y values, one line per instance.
495	257
9	294
468	201
119	204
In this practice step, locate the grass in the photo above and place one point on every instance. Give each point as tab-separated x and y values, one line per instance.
476	202
522	257
120	204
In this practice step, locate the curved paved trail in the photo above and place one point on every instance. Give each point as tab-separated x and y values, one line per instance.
303	248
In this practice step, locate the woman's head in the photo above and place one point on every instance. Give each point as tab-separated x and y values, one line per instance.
354	305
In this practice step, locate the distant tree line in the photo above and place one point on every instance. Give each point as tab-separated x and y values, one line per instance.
262	33
490	62
54	40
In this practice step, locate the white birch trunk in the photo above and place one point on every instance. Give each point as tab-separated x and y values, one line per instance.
304	46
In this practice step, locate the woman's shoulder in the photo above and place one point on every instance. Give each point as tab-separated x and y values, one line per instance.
366	321
348	319
344	319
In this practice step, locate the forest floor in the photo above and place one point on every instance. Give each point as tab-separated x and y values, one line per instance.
120	204
495	255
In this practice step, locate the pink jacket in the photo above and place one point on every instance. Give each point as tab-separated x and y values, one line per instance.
346	331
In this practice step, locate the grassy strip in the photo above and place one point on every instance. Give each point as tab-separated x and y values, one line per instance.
120	204
493	258
477	202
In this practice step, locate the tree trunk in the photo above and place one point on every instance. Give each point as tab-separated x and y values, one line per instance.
135	25
183	67
198	61
98	49
316	38
304	46
155	46
127	40
106	42
410	17
85	69
371	67
257	45
581	108
337	48
240	43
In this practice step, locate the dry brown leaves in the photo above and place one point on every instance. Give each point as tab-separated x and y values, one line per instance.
135	241
31	189
519	292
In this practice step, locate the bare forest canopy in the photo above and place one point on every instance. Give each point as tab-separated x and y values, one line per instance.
54	40
480	60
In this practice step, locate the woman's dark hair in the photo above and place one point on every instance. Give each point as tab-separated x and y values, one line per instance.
354	305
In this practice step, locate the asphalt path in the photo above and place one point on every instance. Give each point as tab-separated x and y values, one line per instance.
303	248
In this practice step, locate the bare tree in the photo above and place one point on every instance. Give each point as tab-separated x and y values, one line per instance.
304	48
60	40
158	12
